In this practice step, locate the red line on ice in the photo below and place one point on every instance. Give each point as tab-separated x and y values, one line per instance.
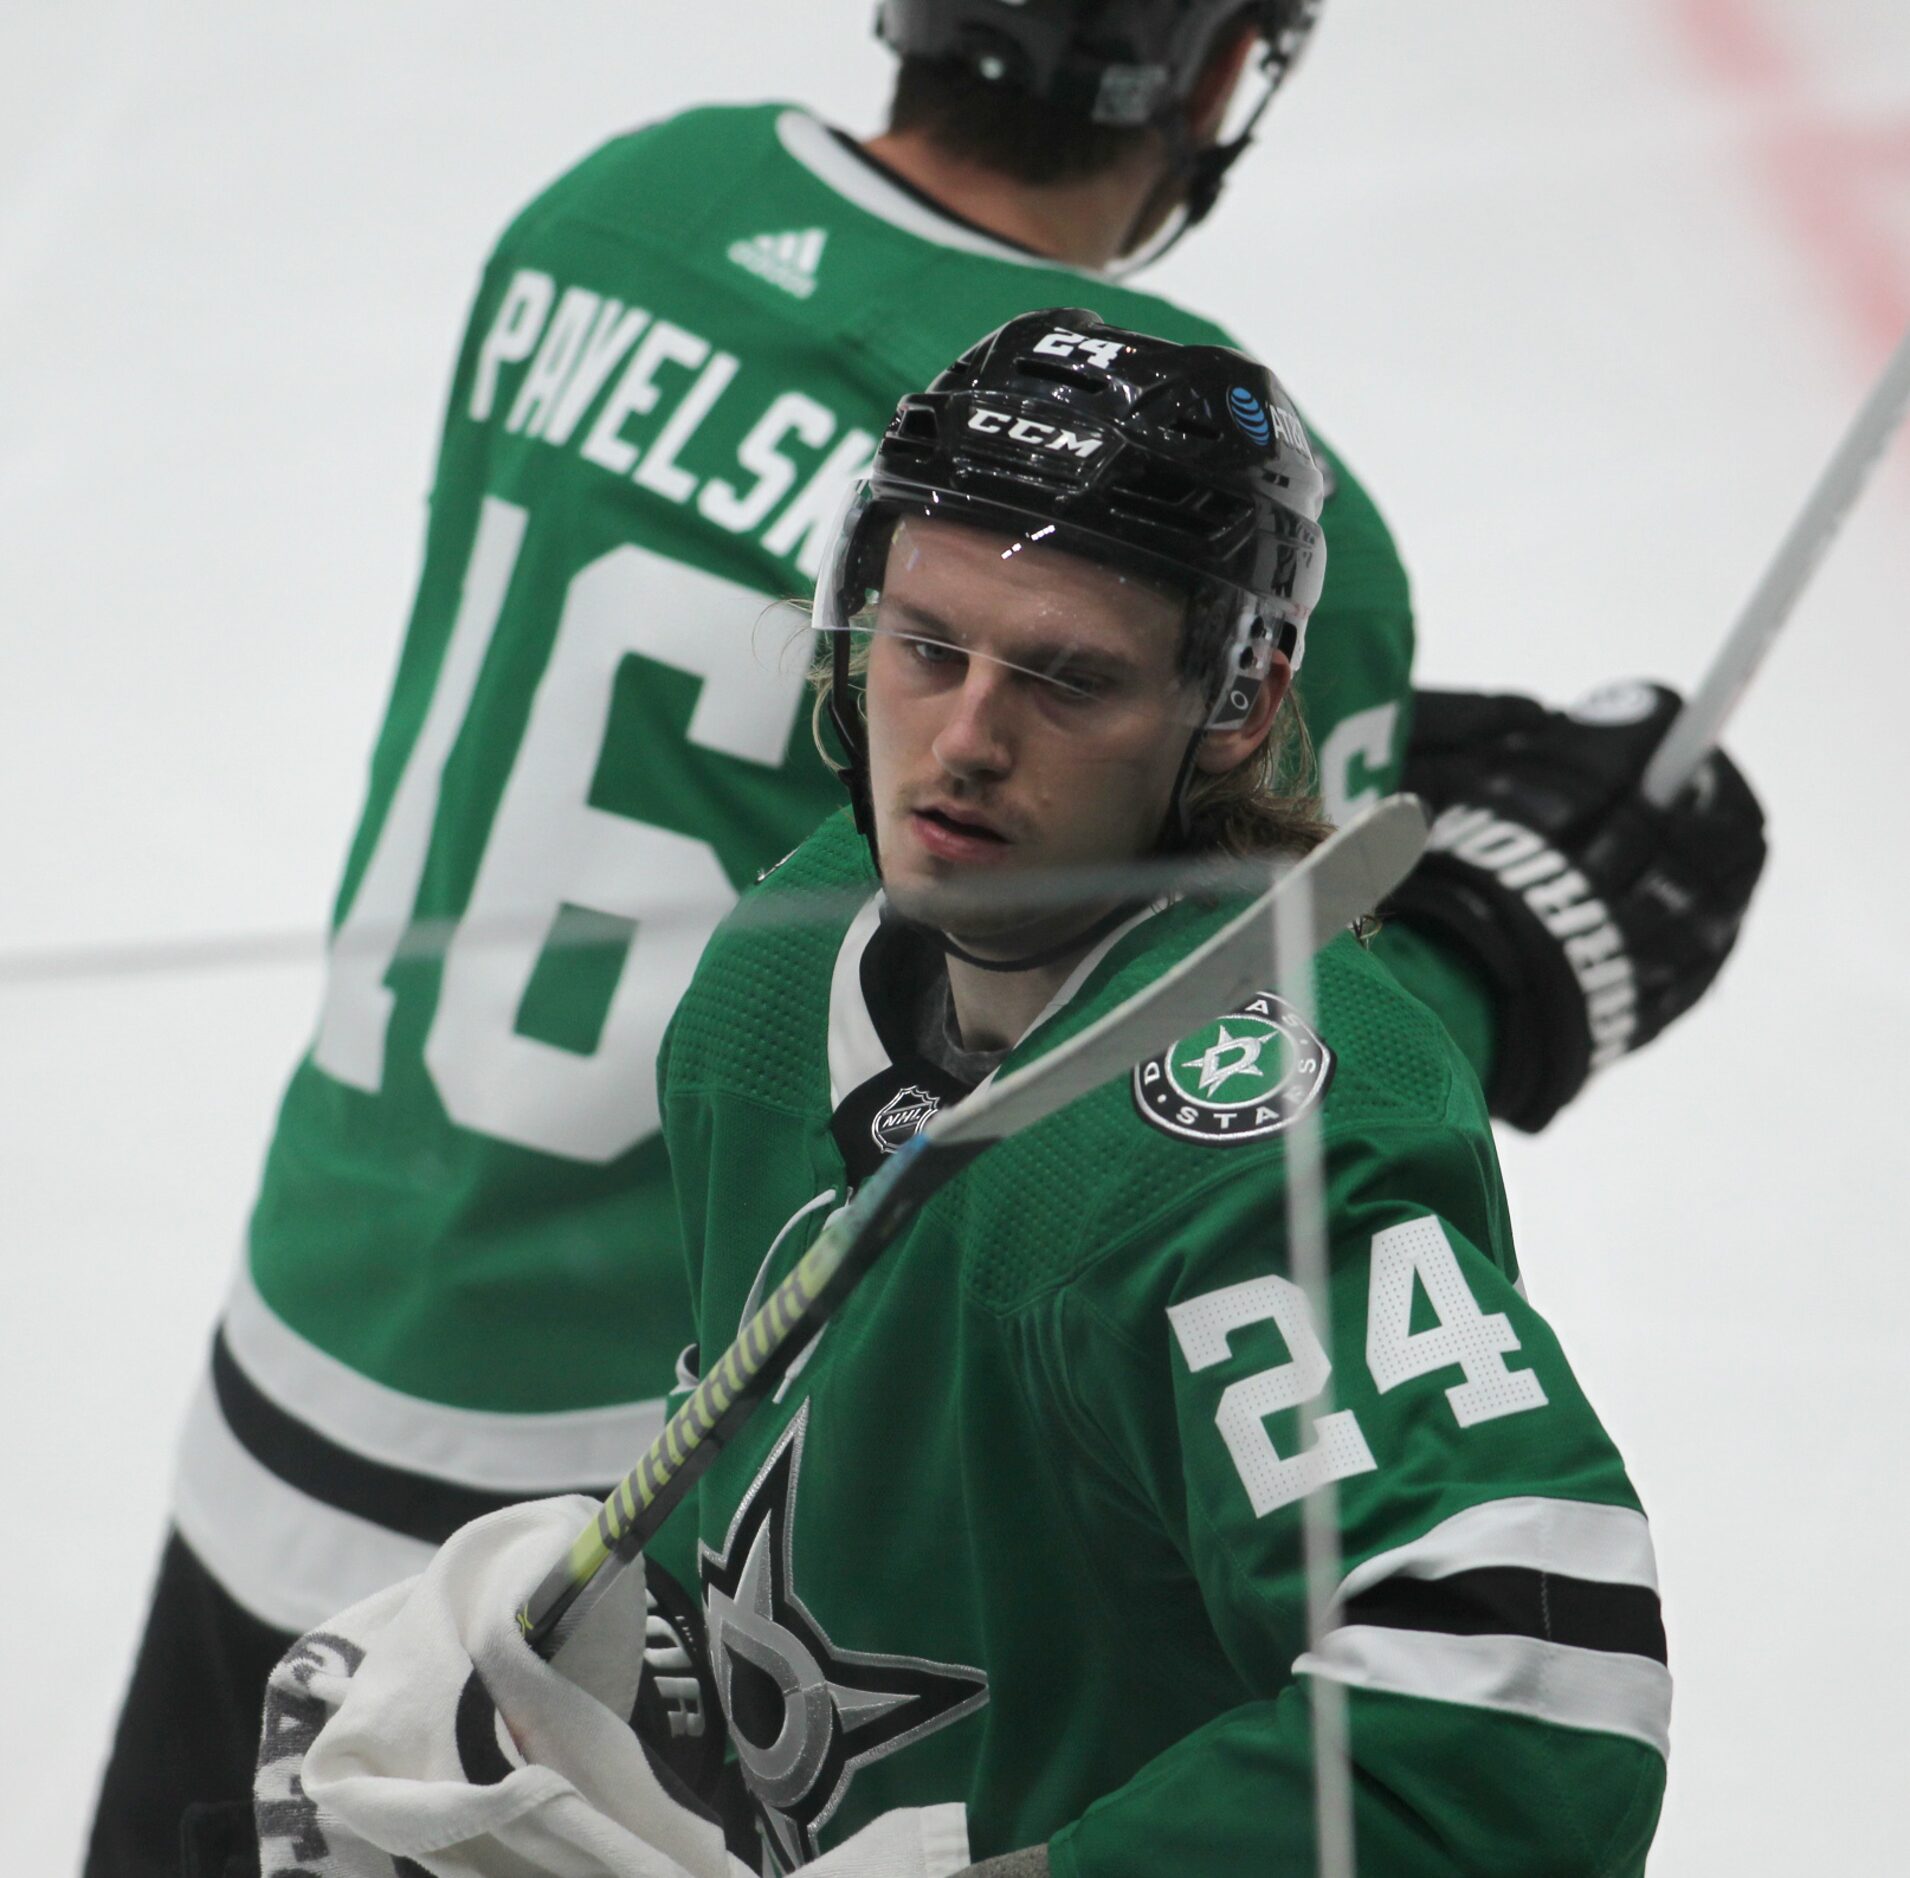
1824	176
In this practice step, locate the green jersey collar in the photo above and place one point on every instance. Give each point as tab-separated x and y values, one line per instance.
843	172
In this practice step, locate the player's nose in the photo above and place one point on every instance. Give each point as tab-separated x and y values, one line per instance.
976	736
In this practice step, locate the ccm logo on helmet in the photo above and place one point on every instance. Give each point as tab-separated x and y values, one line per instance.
1030	430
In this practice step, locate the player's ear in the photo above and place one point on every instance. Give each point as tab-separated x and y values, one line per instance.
1222	750
1207	102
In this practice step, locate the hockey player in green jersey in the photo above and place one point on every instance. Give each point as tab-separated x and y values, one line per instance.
1019	1533
459	1284
1030	1504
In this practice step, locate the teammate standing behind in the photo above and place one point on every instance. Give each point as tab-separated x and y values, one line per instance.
463	1284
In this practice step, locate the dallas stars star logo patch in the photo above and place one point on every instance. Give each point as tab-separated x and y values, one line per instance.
1247	1075
804	1714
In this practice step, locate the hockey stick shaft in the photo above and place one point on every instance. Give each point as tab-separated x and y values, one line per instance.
1696	728
1348	875
1307	1258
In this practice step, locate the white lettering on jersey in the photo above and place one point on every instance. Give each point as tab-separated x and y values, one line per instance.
552	856
1564	901
636	393
520	318
793	412
563	344
1465	1338
614	334
583	346
1205	1328
1476	1342
655	895
799	529
658	468
1364	740
357	1010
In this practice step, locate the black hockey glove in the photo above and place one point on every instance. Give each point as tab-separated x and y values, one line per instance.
678	1717
1596	918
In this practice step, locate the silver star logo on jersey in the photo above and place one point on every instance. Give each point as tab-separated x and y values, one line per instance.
803	1714
1241	1078
1229	1056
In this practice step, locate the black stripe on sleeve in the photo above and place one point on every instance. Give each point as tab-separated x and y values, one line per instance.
1509	1600
421	1506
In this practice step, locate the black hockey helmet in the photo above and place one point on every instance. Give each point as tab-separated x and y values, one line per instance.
1184	466
1129	63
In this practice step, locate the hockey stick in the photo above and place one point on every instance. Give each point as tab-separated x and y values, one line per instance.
1695	729
1320	1551
1349	875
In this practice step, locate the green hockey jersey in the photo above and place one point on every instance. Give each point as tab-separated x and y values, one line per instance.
1023	1528
462	1282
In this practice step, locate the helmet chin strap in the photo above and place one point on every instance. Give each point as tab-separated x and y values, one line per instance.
1031	961
1178	826
855	745
1196	176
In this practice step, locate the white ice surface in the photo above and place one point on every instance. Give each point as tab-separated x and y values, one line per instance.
1586	289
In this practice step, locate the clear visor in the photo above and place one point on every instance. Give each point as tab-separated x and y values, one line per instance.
1092	643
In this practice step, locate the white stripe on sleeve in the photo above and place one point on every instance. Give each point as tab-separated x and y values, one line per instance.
526	1455
1570	1538
1600	1690
290	1560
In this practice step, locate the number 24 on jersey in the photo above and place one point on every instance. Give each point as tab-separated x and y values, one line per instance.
1474	1342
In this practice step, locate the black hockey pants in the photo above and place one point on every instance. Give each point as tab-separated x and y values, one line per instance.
189	1731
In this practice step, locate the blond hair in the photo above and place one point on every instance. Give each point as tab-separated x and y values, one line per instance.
1268	803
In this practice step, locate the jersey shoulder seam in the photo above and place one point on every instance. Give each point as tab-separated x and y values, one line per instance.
1147	1225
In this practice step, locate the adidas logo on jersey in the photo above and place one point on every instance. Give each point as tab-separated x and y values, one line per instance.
787	261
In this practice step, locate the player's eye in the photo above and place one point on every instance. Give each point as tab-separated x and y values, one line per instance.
935	654
1075	685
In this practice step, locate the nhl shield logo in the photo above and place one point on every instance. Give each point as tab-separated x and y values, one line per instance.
903	1116
1245	1076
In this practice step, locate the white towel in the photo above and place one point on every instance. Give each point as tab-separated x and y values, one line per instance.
362	1772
